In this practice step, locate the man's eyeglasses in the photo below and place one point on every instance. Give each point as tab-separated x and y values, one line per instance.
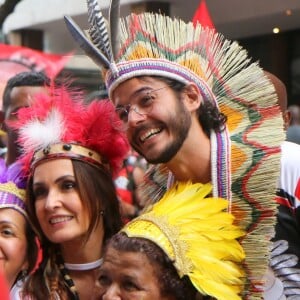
143	105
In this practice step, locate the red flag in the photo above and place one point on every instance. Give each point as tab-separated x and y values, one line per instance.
202	16
16	59
4	291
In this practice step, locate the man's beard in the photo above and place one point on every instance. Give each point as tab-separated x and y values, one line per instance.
179	126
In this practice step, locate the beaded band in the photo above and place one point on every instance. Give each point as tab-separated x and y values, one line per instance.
12	197
157	67
67	278
62	150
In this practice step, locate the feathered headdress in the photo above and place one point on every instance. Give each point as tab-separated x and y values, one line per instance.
245	157
12	188
59	125
102	46
198	236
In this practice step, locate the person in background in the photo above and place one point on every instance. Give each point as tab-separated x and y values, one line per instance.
293	130
285	251
293	134
71	153
18	246
19	92
127	185
282	98
293	112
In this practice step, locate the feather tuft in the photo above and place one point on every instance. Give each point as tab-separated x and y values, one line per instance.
62	117
38	134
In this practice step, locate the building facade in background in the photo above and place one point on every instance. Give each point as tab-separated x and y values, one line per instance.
39	25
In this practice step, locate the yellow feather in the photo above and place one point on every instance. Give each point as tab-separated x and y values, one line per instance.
220	291
197	233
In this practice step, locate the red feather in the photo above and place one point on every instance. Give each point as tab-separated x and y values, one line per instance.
95	126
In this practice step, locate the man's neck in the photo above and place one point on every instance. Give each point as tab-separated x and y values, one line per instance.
193	160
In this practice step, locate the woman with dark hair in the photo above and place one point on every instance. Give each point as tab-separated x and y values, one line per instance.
185	245
18	246
156	272
71	152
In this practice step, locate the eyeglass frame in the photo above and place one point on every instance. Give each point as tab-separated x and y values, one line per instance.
129	107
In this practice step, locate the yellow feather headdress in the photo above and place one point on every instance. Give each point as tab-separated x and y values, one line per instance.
198	235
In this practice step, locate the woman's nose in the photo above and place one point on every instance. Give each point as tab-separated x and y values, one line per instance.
53	200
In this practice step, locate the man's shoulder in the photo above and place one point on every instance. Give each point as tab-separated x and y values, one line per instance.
289	182
290	146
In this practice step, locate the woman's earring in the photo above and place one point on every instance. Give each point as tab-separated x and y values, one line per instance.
23	274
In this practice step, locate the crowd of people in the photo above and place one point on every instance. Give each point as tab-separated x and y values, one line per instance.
181	182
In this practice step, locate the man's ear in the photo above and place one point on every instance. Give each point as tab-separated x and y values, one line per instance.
287	119
193	97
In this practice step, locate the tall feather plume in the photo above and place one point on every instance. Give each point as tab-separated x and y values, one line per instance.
102	47
85	44
98	30
114	17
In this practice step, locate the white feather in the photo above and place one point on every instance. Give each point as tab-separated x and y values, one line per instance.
38	134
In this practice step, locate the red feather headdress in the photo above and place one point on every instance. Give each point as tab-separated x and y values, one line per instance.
60	125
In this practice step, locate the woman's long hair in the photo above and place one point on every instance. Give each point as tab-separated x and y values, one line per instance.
97	193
